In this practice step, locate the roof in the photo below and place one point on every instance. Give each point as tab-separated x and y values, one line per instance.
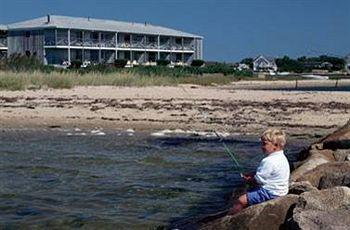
3	27
269	59
65	22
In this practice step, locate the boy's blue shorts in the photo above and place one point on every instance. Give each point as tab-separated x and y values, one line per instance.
258	195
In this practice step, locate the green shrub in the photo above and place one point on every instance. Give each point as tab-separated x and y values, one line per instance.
197	63
219	68
76	64
99	68
120	63
18	62
163	62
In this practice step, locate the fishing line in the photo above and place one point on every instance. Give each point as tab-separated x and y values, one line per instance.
230	154
226	148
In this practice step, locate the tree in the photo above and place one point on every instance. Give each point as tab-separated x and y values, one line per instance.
248	61
289	65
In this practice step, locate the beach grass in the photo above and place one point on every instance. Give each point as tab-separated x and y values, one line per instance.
64	80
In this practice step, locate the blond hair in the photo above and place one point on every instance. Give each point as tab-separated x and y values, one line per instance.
275	136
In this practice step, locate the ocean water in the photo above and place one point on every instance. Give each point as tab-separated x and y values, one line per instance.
56	178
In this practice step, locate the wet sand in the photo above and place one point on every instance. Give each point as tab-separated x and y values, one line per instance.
231	108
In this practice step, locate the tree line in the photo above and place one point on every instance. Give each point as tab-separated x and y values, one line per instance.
304	64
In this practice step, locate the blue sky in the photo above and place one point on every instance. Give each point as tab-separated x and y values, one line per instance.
232	29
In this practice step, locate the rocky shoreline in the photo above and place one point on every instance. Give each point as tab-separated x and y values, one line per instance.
319	195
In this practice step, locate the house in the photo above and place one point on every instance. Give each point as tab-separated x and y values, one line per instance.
326	65
3	41
347	63
264	64
242	66
55	39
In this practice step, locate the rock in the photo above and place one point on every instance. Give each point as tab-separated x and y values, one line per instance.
322	209
328	175
325	200
339	139
347	158
300	187
316	158
341	154
315	219
267	215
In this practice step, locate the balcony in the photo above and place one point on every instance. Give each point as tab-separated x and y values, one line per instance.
107	40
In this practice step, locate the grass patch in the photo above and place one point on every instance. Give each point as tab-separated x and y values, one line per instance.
64	80
8	82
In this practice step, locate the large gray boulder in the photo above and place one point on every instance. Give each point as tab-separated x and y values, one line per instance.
268	215
300	187
341	154
315	158
328	175
322	209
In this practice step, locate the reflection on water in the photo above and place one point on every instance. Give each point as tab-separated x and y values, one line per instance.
55	178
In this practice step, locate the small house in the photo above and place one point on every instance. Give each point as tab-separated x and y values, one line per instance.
264	64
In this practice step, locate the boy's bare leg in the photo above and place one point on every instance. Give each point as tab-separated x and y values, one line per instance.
241	203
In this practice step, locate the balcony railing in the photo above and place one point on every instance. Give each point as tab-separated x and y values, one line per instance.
188	47
107	43
110	43
91	42
62	41
76	42
3	42
151	45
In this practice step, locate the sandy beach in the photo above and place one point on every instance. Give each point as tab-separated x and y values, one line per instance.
233	108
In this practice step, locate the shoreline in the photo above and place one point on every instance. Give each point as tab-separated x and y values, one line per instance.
229	108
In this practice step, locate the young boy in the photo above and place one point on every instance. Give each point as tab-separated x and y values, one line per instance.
272	175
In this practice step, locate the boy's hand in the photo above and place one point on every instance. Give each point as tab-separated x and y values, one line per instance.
246	176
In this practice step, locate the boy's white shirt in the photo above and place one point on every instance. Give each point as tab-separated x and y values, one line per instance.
273	173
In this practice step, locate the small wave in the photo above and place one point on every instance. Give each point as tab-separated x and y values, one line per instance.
97	132
168	132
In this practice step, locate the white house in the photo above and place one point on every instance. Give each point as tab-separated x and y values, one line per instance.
264	64
242	66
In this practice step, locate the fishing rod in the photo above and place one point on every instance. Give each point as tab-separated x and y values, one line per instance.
230	153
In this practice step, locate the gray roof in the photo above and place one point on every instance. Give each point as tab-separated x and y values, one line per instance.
3	27
57	21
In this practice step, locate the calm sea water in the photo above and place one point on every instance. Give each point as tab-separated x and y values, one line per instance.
83	178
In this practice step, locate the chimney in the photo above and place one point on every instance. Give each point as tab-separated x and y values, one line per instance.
48	18
88	18
145	23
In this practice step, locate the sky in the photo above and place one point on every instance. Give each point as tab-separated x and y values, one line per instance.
232	29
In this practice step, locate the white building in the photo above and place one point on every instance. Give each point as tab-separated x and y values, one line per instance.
3	41
57	39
